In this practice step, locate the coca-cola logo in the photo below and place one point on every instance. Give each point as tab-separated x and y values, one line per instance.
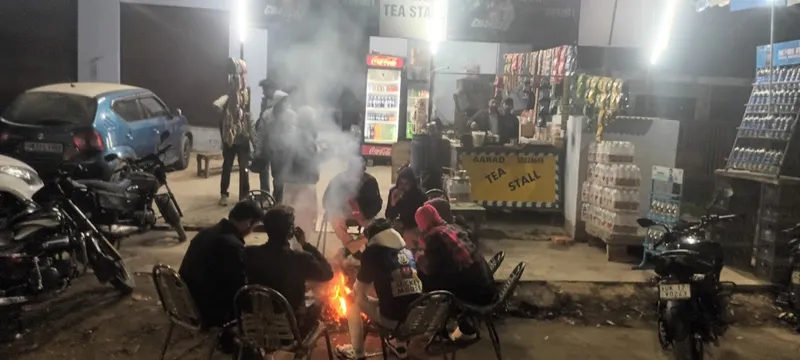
384	61
376	150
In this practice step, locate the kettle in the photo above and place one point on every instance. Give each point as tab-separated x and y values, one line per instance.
459	187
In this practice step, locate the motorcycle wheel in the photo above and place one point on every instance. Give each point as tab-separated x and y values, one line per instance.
122	280
686	346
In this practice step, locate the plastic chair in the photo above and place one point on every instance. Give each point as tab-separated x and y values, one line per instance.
267	324
496	261
435	193
180	307
486	313
427	317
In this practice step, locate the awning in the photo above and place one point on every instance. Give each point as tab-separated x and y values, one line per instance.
737	5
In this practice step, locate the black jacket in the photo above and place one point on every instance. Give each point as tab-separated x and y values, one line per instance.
368	196
212	269
407	206
279	267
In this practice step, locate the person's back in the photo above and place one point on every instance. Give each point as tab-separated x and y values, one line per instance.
212	266
275	265
452	261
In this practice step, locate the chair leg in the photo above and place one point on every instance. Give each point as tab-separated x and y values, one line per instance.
169	339
328	345
384	349
495	337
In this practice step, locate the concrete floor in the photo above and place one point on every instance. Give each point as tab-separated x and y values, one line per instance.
546	261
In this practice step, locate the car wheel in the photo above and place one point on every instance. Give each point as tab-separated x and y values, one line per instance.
186	152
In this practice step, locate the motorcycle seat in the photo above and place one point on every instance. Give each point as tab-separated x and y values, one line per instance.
104	186
678	252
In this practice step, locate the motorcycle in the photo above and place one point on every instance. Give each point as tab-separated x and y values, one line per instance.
42	246
127	205
690	293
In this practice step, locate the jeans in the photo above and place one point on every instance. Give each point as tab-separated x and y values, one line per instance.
242	153
371	308
278	170
263	178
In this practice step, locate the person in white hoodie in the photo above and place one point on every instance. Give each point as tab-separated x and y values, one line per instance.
388	267
271	145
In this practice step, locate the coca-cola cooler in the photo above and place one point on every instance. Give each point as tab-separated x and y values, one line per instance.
385	115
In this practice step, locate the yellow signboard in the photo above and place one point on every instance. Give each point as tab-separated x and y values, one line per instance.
524	177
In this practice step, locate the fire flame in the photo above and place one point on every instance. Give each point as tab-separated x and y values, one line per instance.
339	296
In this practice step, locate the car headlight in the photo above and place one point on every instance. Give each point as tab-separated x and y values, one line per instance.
27	175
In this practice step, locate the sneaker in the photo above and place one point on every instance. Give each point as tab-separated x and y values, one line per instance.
223	200
346	352
398	348
458	336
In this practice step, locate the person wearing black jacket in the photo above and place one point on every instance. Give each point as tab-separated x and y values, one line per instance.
212	267
352	195
274	264
404	200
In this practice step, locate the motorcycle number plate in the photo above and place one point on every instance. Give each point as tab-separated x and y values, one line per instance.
674	291
796	277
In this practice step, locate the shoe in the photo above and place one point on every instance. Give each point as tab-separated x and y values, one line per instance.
223	200
346	352
398	348
458	336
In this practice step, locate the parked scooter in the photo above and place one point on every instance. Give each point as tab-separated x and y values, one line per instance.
42	247
128	206
691	297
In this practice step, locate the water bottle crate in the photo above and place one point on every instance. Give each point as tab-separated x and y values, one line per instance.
776	273
772	252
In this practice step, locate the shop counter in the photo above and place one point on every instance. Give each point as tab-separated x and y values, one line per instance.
519	177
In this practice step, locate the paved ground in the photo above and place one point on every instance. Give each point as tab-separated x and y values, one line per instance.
580	262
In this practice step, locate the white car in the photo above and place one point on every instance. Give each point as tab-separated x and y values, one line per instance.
18	180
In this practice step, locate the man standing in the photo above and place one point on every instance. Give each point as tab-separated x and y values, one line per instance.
509	123
302	172
212	266
277	121
235	131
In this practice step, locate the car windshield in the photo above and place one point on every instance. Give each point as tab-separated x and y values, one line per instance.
50	108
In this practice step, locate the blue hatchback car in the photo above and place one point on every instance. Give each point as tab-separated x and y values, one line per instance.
83	122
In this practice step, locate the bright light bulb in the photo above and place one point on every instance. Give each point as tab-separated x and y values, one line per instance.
664	32
437	24
241	19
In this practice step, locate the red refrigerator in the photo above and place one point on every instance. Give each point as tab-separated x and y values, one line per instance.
385	114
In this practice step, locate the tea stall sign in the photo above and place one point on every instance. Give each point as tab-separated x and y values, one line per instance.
516	180
405	18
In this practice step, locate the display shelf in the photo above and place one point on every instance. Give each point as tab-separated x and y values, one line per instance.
766	135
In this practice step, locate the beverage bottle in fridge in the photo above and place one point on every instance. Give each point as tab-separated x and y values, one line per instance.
378	131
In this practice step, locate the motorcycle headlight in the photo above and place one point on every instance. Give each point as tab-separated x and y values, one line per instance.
28	176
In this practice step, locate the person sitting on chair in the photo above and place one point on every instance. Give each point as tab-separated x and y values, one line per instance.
388	266
448	260
274	264
404	200
353	196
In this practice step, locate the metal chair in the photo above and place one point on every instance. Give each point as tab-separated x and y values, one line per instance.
435	193
268	324
179	305
427	317
486	313
496	261
264	199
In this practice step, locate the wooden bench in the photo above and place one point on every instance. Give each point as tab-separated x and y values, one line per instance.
203	162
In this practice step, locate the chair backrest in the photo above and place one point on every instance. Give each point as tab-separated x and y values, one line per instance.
175	297
511	284
496	261
435	193
266	320
426	315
